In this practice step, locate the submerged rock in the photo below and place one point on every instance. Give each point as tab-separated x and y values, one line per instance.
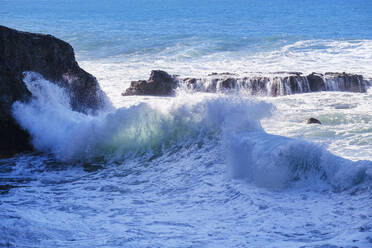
54	59
160	83
313	121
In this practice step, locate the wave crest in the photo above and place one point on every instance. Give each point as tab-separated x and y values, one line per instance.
275	161
119	133
148	129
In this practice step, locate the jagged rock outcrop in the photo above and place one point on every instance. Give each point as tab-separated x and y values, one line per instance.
160	83
280	83
54	59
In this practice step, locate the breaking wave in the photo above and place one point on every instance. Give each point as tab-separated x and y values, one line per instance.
146	129
275	161
140	128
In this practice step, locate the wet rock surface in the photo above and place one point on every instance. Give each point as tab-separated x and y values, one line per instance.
316	82
312	121
54	59
160	83
280	83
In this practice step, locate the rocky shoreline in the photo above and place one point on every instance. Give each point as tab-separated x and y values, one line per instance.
161	83
54	59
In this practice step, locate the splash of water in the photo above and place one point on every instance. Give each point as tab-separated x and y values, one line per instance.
123	132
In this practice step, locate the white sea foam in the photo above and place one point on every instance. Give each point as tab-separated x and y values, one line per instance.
276	161
71	135
307	56
345	118
148	129
182	196
345	129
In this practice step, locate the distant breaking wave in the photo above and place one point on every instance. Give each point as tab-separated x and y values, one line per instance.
307	56
232	124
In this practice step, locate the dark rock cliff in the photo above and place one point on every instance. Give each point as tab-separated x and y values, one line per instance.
54	59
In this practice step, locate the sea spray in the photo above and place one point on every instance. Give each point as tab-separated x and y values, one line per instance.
126	132
147	130
274	161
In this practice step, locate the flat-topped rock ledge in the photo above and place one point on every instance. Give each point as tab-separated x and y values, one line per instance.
277	84
54	59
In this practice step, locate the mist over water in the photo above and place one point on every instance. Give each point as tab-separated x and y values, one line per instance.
194	170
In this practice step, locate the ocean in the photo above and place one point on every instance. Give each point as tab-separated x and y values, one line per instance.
197	169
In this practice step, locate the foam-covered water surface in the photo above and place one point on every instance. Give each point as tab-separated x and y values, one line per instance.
180	199
191	170
345	118
196	169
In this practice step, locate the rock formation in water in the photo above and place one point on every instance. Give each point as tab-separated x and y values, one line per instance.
312	120
281	83
54	59
316	82
160	83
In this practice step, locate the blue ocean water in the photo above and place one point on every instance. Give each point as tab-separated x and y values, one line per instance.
114	27
195	170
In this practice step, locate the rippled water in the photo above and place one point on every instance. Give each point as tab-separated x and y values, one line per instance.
200	170
175	201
